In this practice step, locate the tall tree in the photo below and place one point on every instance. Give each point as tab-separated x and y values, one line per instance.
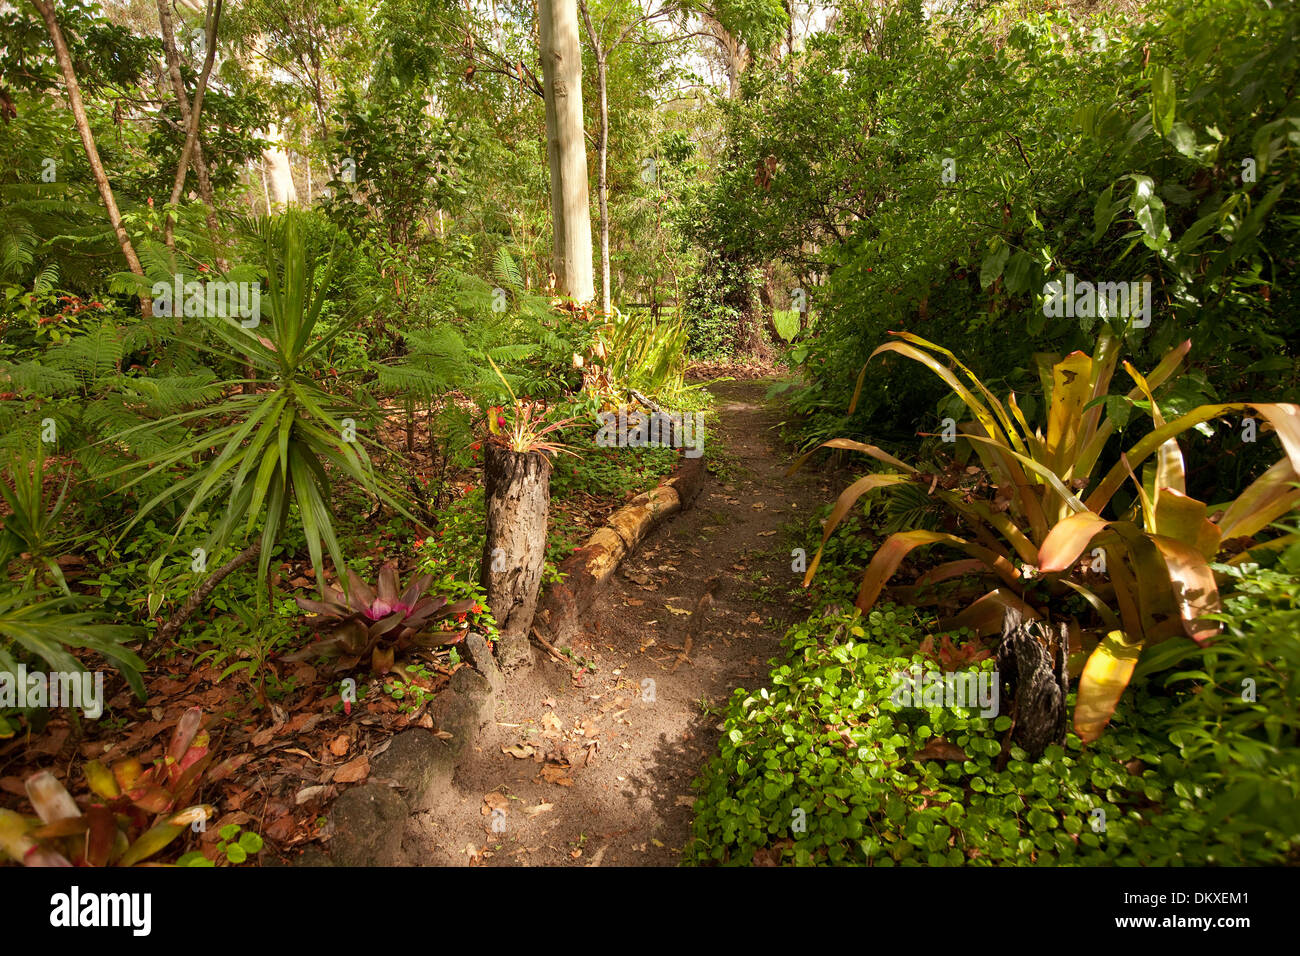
601	50
46	10
191	113
566	148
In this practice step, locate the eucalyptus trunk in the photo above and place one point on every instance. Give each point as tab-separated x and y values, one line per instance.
566	148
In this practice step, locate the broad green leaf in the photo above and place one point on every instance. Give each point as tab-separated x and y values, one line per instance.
1164	101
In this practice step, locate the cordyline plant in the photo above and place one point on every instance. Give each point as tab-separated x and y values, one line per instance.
380	622
134	817
1157	583
278	438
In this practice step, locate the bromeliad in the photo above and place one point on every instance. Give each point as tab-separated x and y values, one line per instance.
381	621
1156	554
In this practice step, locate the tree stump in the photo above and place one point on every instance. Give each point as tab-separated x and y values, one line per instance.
518	496
1032	668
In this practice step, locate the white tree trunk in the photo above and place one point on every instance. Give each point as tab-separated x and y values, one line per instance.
283	191
566	148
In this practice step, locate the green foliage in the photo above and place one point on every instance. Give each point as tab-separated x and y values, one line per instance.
612	473
276	440
32	527
1239	728
822	767
1168	152
646	354
719	302
35	625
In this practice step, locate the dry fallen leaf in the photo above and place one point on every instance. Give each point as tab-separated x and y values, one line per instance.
308	793
540	808
556	775
676	610
940	749
551	725
353	771
518	750
339	745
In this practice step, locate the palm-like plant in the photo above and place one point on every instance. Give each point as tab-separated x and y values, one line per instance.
32	526
276	443
46	628
1158	552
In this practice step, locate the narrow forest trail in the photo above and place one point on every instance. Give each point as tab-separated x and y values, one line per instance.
606	761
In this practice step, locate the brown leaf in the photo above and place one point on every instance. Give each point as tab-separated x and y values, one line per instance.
353	771
556	775
339	745
940	749
280	828
303	723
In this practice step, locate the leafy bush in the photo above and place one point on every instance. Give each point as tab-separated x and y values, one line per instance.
1239	730
1166	149
823	767
1028	540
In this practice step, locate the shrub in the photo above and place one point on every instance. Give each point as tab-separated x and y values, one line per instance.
825	738
1240	729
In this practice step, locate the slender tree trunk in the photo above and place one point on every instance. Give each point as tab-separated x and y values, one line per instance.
566	148
199	163
212	23
602	152
46	10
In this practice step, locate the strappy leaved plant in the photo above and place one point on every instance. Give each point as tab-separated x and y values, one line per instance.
1052	502
279	438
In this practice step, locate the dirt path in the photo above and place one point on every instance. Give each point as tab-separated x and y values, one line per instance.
606	759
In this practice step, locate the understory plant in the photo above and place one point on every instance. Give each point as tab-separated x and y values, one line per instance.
1148	577
279	435
134	817
824	765
380	622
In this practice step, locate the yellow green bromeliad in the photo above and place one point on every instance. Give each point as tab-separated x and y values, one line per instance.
1158	581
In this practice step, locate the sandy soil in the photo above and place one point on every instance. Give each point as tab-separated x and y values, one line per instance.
601	761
